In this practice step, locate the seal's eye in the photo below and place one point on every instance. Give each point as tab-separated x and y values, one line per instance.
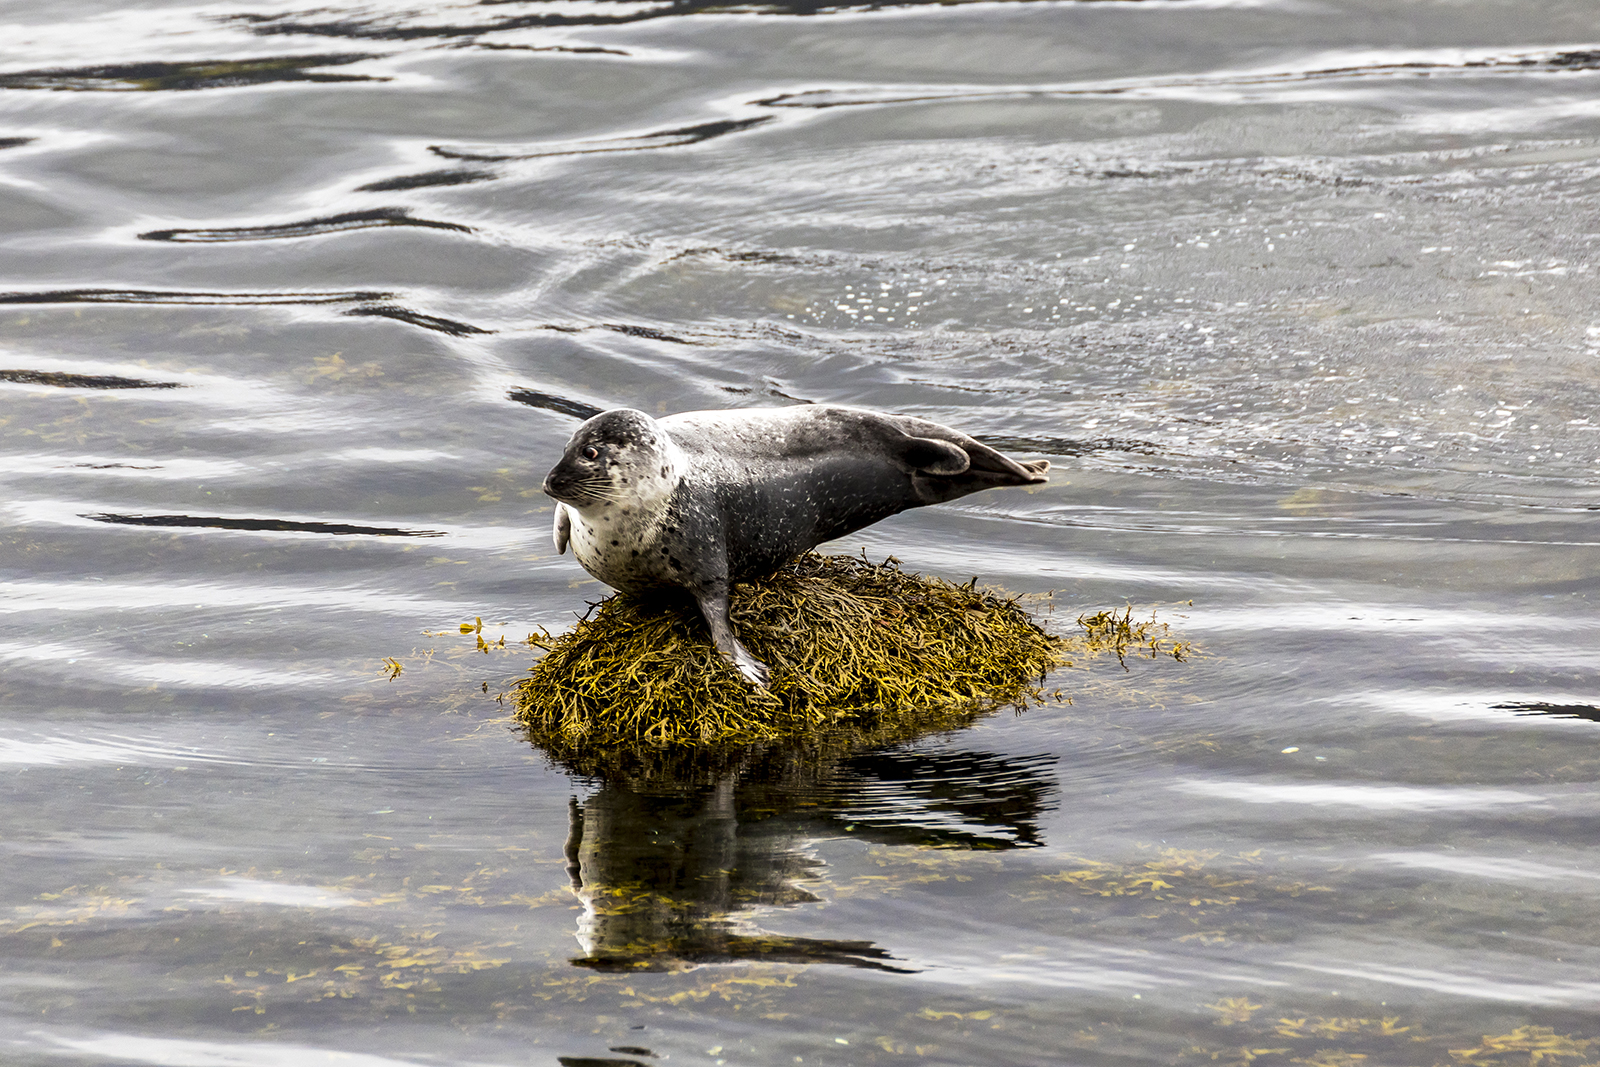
591	453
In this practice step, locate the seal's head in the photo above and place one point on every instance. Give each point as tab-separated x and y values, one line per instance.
619	457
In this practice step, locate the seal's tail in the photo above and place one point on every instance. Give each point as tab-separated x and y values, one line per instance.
987	469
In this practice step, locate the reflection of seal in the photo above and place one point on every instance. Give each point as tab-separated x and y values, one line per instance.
707	498
669	855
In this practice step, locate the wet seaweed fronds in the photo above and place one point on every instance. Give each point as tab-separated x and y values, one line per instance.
1107	631
851	644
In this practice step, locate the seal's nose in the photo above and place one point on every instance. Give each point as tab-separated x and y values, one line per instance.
558	483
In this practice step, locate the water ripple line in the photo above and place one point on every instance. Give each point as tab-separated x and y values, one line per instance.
373	218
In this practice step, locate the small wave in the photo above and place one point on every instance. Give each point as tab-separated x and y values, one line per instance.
204	74
1358	65
966	799
1489	867
565	49
134	1048
646	332
359	24
683	135
62	380
255	891
349	220
115	466
179	296
458	176
273	525
1352	795
550	402
1475	986
1063	446
1554	711
417	318
56	751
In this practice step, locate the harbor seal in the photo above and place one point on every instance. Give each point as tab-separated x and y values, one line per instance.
703	499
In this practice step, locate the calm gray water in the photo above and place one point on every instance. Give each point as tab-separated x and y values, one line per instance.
1299	297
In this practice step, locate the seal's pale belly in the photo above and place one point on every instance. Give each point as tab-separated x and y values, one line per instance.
619	549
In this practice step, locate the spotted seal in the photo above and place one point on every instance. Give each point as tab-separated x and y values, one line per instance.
704	499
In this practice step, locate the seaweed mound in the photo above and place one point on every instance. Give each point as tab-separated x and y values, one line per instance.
850	644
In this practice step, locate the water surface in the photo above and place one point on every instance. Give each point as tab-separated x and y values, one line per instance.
299	304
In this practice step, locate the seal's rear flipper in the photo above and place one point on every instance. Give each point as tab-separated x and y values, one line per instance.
987	469
979	457
930	456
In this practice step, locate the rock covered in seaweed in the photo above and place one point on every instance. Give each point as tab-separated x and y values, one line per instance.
848	641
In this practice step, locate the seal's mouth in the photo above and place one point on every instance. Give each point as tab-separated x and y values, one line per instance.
574	488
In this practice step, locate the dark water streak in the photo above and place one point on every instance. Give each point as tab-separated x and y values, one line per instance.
218	522
63	380
212	74
350	220
560	404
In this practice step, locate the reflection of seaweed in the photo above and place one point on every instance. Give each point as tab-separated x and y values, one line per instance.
214	74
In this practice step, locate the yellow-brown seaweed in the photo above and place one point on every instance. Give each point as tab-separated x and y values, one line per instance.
851	644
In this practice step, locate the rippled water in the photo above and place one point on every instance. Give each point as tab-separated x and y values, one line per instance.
299	305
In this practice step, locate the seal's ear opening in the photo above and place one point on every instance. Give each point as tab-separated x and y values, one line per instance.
931	457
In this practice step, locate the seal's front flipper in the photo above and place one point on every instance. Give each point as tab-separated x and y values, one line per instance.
714	606
563	529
